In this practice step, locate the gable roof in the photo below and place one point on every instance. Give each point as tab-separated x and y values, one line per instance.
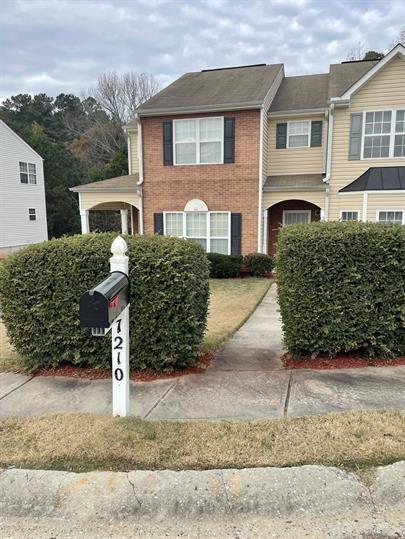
378	179
302	92
344	75
122	184
217	89
8	128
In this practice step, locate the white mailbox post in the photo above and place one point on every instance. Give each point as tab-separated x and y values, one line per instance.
105	307
120	337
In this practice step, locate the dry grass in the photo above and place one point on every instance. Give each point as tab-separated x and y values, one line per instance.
82	442
9	359
231	302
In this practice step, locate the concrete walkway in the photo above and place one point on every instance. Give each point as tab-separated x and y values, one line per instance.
246	381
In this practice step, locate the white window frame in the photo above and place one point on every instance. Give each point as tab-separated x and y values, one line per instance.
285	212
377	217
308	122
391	134
29	182
208	237
350	220
32	212
198	141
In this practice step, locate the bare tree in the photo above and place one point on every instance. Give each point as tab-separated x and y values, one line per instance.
399	39
357	52
120	94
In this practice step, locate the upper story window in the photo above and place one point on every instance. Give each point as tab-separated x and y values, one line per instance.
28	172
198	141
298	134
384	134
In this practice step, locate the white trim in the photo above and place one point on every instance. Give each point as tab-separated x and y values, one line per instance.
374	192
308	122
285	212
398	49
195	204
20	139
377	215
129	154
365	206
198	142
140	171
261	183
207	238
350	211
265	214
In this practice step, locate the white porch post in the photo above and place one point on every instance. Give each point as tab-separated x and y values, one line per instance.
85	222
124	221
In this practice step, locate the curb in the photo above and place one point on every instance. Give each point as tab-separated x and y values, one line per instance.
274	492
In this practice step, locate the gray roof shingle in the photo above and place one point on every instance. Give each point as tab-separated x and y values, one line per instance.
220	89
303	92
294	181
123	184
342	76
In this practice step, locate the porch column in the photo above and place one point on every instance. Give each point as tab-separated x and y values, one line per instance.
124	221
85	222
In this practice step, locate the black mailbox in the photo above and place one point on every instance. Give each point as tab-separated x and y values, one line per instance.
100	306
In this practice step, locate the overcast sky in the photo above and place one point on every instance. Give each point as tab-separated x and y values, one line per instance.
58	46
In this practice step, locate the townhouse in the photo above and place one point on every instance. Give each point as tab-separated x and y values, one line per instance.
226	157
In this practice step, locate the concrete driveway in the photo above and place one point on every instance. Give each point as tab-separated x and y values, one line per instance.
246	381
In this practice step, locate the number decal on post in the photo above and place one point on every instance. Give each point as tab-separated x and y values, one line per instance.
120	340
119	375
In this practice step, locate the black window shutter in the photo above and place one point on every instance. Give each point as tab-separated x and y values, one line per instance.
229	140
316	133
236	233
356	124
281	139
168	142
158	223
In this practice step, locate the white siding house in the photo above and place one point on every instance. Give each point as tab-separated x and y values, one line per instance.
22	193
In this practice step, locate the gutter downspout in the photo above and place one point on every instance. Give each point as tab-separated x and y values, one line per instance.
259	224
328	161
140	181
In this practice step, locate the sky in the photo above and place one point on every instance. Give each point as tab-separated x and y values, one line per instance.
56	46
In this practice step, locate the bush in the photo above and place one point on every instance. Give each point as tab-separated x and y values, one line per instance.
40	287
258	264
341	288
224	266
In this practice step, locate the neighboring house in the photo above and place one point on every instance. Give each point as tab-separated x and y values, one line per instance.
22	193
227	156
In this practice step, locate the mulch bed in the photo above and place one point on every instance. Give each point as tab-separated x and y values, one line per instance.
73	371
339	362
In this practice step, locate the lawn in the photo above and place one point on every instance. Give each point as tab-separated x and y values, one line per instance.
356	441
231	303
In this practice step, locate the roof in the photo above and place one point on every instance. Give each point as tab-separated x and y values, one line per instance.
378	179
303	92
344	75
121	184
14	134
220	89
294	181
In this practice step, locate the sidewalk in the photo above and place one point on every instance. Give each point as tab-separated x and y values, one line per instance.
246	381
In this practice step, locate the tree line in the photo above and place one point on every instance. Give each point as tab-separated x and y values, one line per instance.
81	139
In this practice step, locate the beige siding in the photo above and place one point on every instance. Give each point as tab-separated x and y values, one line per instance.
295	160
133	148
315	197
378	202
385	91
112	201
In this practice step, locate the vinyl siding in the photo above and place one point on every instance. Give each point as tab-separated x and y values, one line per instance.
133	148
315	197
383	92
295	160
378	202
110	201
16	198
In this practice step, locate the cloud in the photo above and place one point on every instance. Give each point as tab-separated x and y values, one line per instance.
58	46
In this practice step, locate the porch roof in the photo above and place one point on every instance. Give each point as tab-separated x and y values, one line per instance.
378	179
120	184
289	182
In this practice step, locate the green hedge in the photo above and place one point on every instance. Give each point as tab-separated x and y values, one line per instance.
40	287
224	266
258	264
342	288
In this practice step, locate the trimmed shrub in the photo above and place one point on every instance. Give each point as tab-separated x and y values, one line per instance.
341	288
40	287
258	264
224	266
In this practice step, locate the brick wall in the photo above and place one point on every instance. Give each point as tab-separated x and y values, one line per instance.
231	187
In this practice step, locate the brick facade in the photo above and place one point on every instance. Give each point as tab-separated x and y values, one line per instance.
227	187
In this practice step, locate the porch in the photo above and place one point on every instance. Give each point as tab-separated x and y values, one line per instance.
118	198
